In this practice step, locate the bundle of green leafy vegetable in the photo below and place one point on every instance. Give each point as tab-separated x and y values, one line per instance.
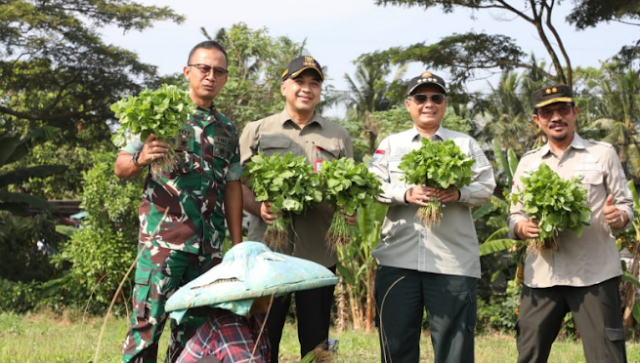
558	204
436	165
289	183
347	186
161	112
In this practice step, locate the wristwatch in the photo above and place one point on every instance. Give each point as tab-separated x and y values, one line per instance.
134	160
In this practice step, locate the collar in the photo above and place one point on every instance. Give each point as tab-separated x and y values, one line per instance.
441	134
285	117
577	143
210	109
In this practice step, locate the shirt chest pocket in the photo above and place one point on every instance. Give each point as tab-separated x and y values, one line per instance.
271	144
592	180
328	149
183	146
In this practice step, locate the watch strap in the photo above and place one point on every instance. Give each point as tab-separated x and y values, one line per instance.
134	160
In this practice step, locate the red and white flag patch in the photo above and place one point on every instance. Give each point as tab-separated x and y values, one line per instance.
377	156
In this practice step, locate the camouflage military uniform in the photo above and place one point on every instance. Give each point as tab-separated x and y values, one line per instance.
182	228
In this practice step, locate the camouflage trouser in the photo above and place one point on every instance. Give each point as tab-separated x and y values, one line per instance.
159	273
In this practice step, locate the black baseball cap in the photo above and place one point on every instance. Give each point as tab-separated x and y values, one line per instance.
552	94
300	65
426	78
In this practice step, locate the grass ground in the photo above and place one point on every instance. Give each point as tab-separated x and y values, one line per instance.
68	338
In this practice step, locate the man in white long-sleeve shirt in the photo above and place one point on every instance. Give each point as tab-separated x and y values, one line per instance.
428	267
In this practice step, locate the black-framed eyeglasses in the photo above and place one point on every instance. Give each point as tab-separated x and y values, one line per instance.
421	98
206	69
547	113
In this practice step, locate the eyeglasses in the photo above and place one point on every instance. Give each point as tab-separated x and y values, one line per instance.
548	113
421	98
206	70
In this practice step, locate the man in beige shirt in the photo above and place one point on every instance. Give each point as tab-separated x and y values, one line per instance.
582	276
302	131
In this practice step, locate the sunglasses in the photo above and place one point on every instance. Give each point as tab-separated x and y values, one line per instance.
421	98
205	70
547	113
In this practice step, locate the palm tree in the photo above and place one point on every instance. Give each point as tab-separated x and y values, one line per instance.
369	92
507	111
618	114
256	61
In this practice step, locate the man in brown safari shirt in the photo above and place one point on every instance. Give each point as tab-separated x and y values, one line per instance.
302	131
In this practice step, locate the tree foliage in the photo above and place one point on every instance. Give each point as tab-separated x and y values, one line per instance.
465	54
370	91
104	248
55	69
482	51
25	246
13	148
590	13
507	114
256	62
610	97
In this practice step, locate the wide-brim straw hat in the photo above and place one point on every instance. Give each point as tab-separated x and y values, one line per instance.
248	271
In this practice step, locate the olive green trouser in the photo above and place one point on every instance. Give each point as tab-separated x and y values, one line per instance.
596	314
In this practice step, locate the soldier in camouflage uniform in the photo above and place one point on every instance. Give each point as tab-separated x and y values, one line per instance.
182	222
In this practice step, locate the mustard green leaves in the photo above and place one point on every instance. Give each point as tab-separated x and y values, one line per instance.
436	165
347	186
558	204
289	183
161	112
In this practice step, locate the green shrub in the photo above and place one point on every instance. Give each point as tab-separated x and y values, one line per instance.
498	313
104	247
26	244
18	297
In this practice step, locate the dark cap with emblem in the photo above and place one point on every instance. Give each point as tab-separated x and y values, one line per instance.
552	94
426	78
300	65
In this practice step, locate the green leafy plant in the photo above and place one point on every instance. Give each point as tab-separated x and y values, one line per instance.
347	186
631	283
101	251
558	204
436	165
161	112
355	298
289	183
13	148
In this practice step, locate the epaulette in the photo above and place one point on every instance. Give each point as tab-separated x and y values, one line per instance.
601	143
530	152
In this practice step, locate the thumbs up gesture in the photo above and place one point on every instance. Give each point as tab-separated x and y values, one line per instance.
612	215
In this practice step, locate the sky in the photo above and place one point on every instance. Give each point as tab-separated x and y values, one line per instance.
338	31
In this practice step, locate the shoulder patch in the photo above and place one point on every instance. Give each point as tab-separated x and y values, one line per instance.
377	155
